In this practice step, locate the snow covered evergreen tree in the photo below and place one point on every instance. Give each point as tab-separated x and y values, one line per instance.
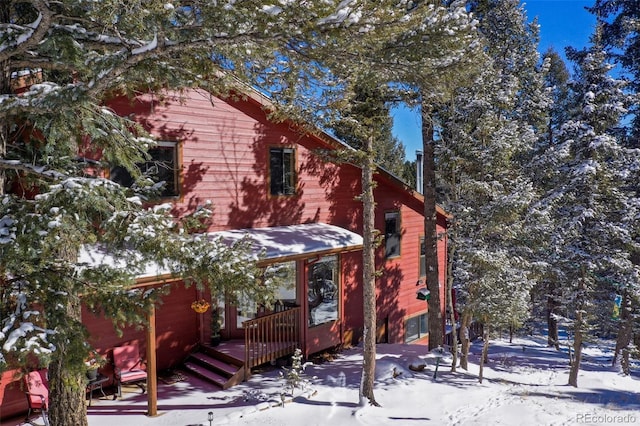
429	50
590	207
294	376
620	22
431	62
61	62
364	121
621	38
546	295
487	131
388	150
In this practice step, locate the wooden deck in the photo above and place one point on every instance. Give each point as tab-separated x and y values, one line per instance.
270	337
267	338
234	348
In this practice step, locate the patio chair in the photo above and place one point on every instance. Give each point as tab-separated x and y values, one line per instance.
129	367
37	395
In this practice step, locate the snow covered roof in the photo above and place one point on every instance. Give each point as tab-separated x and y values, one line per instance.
278	243
94	256
296	241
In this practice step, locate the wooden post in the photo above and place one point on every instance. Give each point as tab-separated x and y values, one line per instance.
152	378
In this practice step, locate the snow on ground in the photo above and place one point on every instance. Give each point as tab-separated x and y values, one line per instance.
525	383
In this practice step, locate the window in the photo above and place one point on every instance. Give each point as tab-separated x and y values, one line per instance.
392	234
416	327
246	309
284	274
323	293
162	167
423	259
282	175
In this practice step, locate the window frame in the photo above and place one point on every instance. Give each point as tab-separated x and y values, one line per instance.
391	254
174	147
334	291
423	326
422	257
172	189
287	181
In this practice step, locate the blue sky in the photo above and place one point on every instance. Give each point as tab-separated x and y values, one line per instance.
562	23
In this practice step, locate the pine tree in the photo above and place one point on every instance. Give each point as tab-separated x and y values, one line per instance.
431	61
364	123
487	130
409	173
61	63
388	150
620	21
591	209
294	375
417	52
546	296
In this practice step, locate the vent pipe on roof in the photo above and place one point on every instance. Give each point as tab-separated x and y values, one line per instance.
419	172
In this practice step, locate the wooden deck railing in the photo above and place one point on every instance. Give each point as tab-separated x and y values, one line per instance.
270	337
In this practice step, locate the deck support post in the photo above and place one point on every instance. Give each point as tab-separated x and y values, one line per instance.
152	378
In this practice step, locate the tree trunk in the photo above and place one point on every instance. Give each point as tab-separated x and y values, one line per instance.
552	323
625	333
436	324
452	316
578	335
66	383
577	357
465	322
369	277
485	352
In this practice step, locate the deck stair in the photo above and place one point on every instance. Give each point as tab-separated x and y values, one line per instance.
215	367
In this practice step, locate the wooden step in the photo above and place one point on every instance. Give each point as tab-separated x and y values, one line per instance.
207	374
215	364
222	356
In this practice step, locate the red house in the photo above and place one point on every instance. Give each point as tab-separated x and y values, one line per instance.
265	179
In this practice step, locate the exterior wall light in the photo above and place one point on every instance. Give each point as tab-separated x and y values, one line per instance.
423	294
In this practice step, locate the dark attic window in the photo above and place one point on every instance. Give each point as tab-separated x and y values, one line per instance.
161	167
282	171
392	234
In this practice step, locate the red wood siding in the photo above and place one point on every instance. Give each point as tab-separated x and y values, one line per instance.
225	153
396	293
224	146
177	326
352	297
177	329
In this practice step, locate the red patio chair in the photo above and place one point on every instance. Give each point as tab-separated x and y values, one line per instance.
129	367
37	395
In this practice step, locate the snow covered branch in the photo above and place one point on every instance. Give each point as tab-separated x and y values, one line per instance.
29	35
31	169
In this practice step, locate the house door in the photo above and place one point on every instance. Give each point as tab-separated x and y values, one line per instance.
284	274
